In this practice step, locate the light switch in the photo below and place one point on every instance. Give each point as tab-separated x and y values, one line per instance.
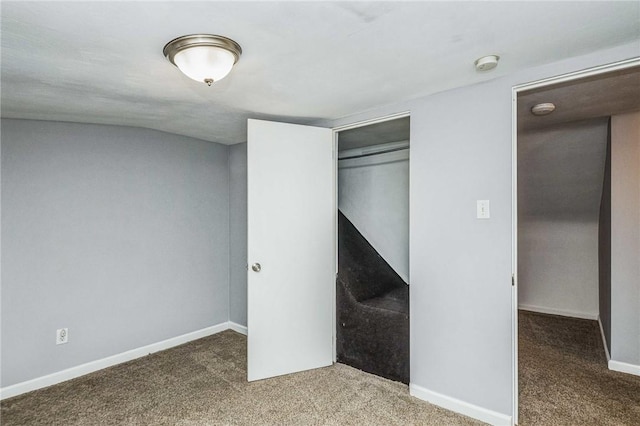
483	209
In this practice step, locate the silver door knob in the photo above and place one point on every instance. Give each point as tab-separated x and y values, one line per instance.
256	267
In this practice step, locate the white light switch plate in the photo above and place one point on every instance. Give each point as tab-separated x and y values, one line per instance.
483	211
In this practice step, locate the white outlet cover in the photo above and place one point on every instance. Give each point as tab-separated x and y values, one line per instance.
62	336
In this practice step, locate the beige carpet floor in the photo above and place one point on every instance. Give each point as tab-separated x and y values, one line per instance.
204	383
564	379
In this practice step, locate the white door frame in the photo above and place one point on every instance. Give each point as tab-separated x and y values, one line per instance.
337	130
515	91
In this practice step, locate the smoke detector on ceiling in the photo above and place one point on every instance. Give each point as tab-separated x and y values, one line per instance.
487	63
543	108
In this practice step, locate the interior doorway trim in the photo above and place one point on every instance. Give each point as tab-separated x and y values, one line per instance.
369	122
515	91
336	130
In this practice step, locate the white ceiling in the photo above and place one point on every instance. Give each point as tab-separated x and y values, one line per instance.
102	62
603	95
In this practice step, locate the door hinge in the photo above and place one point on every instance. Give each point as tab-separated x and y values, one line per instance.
513	280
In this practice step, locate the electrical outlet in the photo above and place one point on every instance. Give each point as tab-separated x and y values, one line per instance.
62	336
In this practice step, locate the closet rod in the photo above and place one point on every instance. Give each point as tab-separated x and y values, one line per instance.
374	153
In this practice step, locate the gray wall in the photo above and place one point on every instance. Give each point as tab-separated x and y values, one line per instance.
560	175
558	267
238	233
625	238
373	193
604	248
120	234
461	300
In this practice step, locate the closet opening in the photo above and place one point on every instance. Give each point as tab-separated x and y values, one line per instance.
577	244
372	283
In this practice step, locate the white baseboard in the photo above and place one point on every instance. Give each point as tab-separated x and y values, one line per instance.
90	367
461	407
555	311
624	367
242	329
604	339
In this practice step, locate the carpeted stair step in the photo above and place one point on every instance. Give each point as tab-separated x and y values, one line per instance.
372	308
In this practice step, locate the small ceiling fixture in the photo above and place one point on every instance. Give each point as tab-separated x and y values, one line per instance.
543	108
203	57
487	63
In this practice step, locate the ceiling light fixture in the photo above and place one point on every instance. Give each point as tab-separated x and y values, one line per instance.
487	63
543	108
203	57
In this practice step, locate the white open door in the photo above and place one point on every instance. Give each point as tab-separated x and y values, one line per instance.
291	274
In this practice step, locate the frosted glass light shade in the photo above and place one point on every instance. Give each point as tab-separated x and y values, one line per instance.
203	57
202	63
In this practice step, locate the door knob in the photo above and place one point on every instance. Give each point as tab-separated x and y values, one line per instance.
256	267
